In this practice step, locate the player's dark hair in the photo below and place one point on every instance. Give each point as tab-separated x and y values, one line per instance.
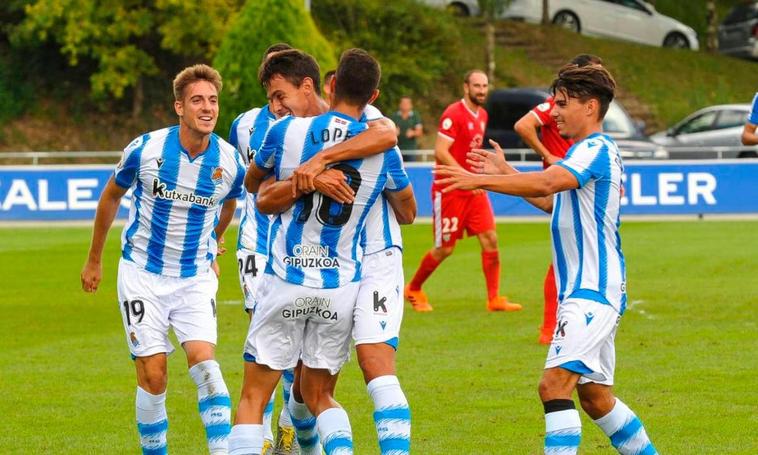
293	65
278	47
470	73
586	82
586	59
193	74
358	75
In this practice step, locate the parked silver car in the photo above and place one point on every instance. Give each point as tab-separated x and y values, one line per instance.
738	33
711	127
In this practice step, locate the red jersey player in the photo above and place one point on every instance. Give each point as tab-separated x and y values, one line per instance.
462	128
552	147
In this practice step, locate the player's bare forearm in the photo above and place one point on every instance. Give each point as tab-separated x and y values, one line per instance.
254	177
527	128
378	137
749	136
225	217
442	151
403	203
107	208
276	196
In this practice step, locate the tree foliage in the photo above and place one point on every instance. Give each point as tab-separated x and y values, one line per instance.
260	24
413	42
125	38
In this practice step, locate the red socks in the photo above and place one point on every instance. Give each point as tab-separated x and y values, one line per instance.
491	268
551	302
427	266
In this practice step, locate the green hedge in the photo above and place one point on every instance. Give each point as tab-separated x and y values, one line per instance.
418	46
259	24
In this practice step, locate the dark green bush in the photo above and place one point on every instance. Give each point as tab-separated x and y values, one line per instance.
259	24
417	46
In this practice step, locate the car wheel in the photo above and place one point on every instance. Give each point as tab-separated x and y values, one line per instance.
458	9
676	40
567	20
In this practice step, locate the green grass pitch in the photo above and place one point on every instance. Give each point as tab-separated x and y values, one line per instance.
686	348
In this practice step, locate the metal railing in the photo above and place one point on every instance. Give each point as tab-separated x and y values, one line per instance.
425	155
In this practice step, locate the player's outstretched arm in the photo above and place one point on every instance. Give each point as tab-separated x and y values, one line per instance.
224	219
489	162
277	196
527	128
749	134
379	137
403	203
107	208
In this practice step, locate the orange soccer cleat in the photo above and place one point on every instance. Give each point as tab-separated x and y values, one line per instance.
418	299
501	303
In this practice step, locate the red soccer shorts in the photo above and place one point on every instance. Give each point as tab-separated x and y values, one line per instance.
460	212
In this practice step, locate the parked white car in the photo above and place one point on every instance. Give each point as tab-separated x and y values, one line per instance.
457	7
629	20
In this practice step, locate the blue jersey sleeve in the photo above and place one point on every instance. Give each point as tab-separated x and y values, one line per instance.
753	117
272	144
128	168
587	160
397	178
233	139
237	190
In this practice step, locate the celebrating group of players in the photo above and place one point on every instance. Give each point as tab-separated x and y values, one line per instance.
320	252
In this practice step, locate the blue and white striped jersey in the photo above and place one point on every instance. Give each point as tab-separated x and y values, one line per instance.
176	201
316	242
247	133
587	253
382	229
753	116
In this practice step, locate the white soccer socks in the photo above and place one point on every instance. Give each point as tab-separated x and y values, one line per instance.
152	422
268	414
392	416
305	427
246	439
334	429
625	430
214	404
563	428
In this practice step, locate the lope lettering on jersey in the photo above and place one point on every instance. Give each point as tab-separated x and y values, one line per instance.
160	191
311	257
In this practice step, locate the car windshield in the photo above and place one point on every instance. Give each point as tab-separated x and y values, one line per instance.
742	13
617	123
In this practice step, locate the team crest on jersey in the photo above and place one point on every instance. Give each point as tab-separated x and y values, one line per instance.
217	173
471	125
447	123
133	339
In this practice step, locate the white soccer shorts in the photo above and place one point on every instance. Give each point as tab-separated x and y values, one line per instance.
379	310
150	304
293	322
251	267
584	340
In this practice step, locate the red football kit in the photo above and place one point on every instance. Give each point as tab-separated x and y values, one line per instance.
461	210
558	146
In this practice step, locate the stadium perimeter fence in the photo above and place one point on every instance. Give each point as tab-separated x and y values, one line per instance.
52	186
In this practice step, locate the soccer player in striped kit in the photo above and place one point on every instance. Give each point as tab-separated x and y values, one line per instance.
315	262
184	179
583	192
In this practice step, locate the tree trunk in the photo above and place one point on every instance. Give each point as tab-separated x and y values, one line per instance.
712	41
490	49
545	12
138	98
